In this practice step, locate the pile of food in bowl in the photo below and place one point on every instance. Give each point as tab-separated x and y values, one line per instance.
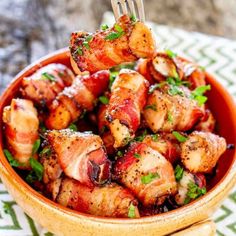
126	133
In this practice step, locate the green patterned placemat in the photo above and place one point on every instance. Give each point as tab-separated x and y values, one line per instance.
218	55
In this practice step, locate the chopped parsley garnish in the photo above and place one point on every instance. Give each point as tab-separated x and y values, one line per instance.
73	127
194	192
133	18
115	34
179	136
197	94
104	27
141	137
169	117
131	212
46	152
152	88
37	171
87	40
48	76
36	146
179	171
112	77
119	153
12	161
103	99
202	68
155	137
170	53
151	106
79	51
136	155
146	179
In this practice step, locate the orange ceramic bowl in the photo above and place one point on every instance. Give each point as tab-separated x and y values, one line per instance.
64	221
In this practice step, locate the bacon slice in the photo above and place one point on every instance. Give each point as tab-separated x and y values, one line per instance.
207	122
100	52
165	112
148	175
73	100
110	200
128	97
21	123
44	85
201	151
81	156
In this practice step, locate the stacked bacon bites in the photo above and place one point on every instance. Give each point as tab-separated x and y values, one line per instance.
130	135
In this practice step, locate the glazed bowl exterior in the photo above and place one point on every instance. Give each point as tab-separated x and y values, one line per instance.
64	221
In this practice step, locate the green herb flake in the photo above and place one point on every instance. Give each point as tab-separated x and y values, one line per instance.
37	168
103	99
86	44
141	137
131	212
115	34
146	179
179	136
48	76
155	137
133	18
197	94
151	106
179	171
169	117
119	153
104	27
73	127
136	155
170	53
46	152
87	40
42	127
112	77
152	88
79	51
12	161
194	191
36	146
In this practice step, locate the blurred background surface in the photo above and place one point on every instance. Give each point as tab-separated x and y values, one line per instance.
30	29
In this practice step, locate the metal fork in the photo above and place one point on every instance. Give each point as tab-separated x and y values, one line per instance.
133	8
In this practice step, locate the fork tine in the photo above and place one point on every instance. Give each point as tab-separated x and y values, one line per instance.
116	8
140	10
124	6
132	7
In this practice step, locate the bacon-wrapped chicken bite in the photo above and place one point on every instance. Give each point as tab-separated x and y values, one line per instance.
190	186
126	41
146	173
128	97
110	200
21	130
207	122
44	85
172	108
103	127
167	64
81	156
201	151
73	100
165	145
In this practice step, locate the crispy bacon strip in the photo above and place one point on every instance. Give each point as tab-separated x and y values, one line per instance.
146	173
201	151
207	122
80	155
21	123
110	200
165	112
162	66
128	97
126	41
73	100
44	85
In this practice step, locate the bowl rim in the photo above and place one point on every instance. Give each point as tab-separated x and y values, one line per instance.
22	186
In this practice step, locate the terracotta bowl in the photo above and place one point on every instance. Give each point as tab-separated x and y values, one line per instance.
64	221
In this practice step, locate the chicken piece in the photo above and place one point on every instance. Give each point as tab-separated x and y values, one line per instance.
21	130
128	97
148	175
169	148
126	41
110	200
73	100
201	151
171	109
207	123
44	85
190	187
81	156
103	127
